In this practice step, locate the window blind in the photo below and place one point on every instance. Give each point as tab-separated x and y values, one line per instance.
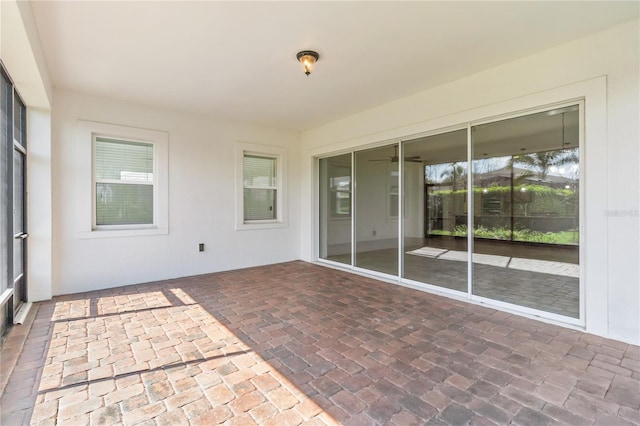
260	191
124	182
124	161
259	171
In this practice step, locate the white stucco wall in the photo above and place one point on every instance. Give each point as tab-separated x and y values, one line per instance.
602	67
201	200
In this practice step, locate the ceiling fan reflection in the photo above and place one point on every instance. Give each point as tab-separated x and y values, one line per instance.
394	158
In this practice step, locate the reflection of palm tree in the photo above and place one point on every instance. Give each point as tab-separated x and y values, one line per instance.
453	175
541	162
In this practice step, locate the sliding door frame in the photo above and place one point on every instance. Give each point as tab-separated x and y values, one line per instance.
468	295
12	298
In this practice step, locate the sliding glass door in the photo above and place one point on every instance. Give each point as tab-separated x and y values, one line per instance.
376	209
435	244
526	211
335	208
13	236
6	236
490	211
19	203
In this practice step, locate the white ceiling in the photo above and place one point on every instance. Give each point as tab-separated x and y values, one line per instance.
236	60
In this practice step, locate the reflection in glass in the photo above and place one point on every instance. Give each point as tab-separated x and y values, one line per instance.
526	211
435	219
376	201
123	204
335	208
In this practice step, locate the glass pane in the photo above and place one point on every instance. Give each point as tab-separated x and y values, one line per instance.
124	204
19	245
17	258
376	221
526	181
123	160
18	192
259	171
435	217
259	204
335	208
20	121
6	141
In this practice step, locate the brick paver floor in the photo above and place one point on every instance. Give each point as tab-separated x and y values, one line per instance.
299	343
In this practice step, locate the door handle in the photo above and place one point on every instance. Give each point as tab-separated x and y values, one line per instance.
20	236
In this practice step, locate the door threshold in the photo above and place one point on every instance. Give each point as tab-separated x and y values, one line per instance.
22	313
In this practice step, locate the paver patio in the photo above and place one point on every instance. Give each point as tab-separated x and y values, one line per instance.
299	343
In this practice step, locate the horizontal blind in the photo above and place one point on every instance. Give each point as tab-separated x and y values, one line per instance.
123	160
124	182
260	193
259	204
124	204
259	171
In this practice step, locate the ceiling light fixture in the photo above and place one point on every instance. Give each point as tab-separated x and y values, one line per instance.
308	58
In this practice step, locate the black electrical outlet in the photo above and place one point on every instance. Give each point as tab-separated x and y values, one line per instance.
201	247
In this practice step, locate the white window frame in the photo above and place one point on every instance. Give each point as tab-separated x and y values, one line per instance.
280	155
87	132
94	195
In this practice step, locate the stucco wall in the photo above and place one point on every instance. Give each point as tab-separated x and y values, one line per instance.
201	200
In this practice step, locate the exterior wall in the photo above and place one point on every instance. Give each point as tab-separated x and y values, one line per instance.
201	200
603	68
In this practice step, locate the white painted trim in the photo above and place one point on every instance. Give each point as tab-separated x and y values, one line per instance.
86	131
593	222
21	316
401	216
434	289
353	208
282	206
5	296
470	212
532	312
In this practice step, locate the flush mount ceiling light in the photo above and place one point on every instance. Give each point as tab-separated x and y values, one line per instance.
308	58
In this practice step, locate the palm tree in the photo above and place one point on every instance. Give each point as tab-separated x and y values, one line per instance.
456	173
541	162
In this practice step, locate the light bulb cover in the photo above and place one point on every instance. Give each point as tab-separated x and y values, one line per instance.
307	58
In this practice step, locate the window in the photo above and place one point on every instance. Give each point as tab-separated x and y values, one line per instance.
123	181
260	190
260	187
